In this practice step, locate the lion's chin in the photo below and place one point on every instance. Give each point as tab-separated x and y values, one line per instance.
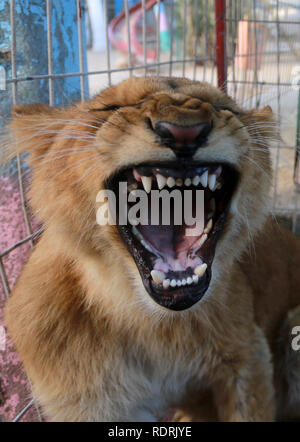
176	268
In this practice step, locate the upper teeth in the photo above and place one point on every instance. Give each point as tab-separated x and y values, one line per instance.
170	182
147	183
161	181
196	180
212	181
206	180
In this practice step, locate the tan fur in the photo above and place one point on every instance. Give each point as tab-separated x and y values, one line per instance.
94	344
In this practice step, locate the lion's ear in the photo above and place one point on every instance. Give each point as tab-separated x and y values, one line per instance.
263	121
267	110
264	114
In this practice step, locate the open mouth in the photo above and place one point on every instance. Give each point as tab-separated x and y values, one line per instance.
175	266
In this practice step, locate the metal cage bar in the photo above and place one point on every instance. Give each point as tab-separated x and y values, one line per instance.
50	51
108	64
128	37
80	50
220	12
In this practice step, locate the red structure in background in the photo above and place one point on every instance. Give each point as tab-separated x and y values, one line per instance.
220	15
251	42
118	26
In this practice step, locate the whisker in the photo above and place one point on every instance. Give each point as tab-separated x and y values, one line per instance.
259	167
84	160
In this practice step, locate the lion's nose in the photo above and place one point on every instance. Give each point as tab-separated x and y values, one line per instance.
183	140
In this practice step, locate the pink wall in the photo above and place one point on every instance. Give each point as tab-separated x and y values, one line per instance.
14	388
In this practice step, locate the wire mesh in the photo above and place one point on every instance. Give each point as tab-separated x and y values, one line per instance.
177	38
263	54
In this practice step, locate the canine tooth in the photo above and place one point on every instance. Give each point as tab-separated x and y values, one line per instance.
161	181
189	280
208	226
196	180
179	182
195	278
157	276
183	282
212	181
204	179
147	183
173	283
200	270
170	182
188	182
166	283
178	283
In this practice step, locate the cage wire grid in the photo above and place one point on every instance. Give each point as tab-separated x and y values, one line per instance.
254	75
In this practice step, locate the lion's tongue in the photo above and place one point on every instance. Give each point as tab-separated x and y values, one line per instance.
168	239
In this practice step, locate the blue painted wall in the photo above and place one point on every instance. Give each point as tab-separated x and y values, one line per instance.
31	48
31	51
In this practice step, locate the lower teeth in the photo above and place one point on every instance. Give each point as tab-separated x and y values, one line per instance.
159	278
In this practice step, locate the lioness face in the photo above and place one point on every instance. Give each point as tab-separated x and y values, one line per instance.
174	134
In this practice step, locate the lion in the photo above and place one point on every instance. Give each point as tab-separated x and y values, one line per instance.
127	322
